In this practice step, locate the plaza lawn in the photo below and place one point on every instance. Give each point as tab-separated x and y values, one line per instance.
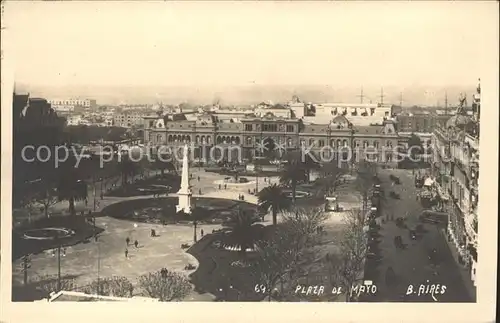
168	183
83	230
162	210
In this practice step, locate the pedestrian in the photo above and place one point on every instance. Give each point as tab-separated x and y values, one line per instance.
198	178
199	191
225	186
86	202
102	196
220	187
126	253
127	241
202	233
136	244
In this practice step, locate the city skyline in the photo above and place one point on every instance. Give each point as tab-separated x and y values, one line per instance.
179	46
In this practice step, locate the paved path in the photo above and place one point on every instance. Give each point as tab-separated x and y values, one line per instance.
412	265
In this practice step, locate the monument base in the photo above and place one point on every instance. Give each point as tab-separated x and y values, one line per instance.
185	209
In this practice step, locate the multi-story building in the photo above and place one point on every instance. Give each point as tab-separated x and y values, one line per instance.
455	168
127	119
70	104
325	137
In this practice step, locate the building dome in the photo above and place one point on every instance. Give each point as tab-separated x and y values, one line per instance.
458	121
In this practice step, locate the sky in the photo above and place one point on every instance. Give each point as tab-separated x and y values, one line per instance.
137	49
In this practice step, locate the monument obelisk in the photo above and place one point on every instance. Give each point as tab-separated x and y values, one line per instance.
184	203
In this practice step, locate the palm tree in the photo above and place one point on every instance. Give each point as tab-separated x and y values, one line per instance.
244	232
273	197
294	172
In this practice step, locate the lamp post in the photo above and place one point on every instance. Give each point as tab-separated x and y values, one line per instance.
98	264
58	261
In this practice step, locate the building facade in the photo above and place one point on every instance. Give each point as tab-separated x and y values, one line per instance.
275	132
420	122
127	119
455	167
71	103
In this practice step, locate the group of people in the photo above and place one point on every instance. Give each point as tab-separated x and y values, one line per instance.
136	244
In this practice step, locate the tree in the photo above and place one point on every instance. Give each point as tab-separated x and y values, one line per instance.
303	227
346	267
128	168
273	198
165	286
365	180
49	284
113	286
415	147
282	254
71	186
274	260
47	198
244	233
293	173
330	175
163	162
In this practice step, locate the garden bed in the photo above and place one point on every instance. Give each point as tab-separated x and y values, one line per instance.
156	185
81	229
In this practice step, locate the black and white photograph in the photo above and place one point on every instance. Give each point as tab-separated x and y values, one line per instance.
249	152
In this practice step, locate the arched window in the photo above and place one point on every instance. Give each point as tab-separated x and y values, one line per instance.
345	143
339	143
375	144
219	139
365	144
332	143
289	141
321	143
197	139
302	142
249	140
357	143
311	142
389	143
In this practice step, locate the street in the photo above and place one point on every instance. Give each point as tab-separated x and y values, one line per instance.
412	265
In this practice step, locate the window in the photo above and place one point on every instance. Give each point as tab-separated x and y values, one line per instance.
289	142
248	127
249	140
311	142
375	144
365	144
289	128
357	143
332	143
345	143
321	143
339	143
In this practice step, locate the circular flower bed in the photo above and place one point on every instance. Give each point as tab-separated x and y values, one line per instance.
47	233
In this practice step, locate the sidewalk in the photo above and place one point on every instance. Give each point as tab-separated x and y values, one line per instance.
469	285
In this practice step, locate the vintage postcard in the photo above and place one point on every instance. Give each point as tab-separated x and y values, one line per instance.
160	156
